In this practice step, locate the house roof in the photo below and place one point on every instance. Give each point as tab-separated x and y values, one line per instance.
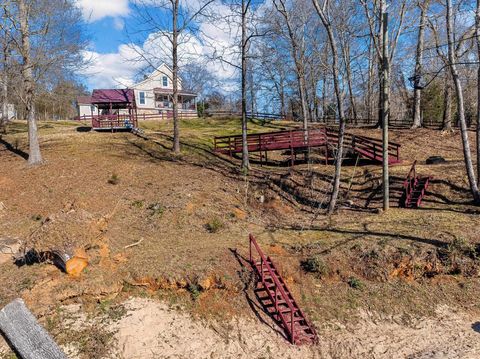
113	96
84	100
170	91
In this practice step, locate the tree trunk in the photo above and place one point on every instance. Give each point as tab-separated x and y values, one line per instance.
347	59
4	119
385	107
371	64
302	91
338	93
299	63
324	97
282	97
447	105
253	106
477	32
380	67
417	118
460	106
35	156
6	51
30	339
245	157
176	125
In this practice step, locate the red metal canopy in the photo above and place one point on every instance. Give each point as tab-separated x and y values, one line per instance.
107	96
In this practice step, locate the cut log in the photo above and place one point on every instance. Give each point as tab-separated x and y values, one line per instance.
27	337
72	264
76	265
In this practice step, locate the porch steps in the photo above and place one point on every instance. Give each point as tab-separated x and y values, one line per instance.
277	300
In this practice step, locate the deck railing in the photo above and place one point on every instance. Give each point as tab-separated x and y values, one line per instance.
100	120
299	138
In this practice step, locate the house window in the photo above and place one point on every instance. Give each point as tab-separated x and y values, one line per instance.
165	81
142	98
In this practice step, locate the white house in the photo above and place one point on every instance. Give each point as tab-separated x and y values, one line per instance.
85	107
154	94
11	113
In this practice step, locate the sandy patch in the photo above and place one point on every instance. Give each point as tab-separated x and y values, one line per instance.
153	330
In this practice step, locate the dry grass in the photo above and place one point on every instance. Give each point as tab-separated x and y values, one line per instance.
192	210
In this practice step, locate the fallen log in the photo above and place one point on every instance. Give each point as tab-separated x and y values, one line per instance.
27	337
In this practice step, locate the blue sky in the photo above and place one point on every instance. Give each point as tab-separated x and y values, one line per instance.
106	34
113	60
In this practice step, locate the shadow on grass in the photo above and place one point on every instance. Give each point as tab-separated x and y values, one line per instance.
367	232
302	195
13	149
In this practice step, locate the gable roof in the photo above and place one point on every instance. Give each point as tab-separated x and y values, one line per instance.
113	96
158	71
84	100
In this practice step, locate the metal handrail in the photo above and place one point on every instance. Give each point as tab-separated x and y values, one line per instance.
278	285
410	182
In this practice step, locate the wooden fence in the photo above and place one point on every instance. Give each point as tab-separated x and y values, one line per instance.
143	116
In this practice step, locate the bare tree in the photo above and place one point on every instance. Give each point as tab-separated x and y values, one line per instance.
459	52
171	31
417	116
46	43
374	15
323	13
34	154
244	50
297	50
460	103
447	103
6	44
477	33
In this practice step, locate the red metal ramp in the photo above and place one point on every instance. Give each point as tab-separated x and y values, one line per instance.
277	299
414	188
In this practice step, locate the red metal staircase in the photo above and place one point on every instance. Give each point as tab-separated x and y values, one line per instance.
414	189
277	299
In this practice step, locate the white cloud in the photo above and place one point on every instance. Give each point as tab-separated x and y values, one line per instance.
94	10
113	69
120	68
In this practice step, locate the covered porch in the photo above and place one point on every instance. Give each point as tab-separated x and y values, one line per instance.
116	109
164	100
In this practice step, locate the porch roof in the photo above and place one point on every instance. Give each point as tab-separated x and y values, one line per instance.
118	96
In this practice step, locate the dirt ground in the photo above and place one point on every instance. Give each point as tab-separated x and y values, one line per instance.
166	242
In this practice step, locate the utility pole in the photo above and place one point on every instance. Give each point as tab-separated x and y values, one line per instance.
385	110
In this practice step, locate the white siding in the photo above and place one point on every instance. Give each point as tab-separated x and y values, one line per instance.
85	110
155	80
